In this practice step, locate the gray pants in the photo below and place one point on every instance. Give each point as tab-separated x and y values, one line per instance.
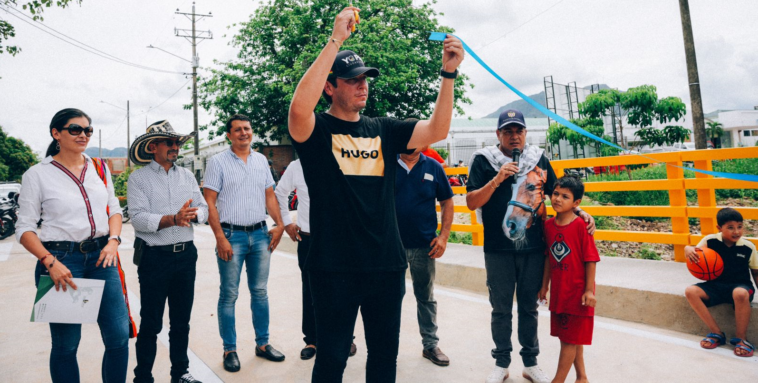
504	273
422	274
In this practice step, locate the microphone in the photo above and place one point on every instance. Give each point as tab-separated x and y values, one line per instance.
516	157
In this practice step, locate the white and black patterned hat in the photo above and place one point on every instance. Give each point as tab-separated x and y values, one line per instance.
140	155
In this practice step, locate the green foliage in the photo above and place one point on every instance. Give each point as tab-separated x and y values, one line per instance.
119	183
16	157
674	134
669	109
443	153
190	144
35	7
715	130
651	136
640	102
600	104
605	223
555	133
456	237
607	150
646	252
284	37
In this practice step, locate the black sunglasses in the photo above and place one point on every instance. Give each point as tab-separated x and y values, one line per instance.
76	130
169	143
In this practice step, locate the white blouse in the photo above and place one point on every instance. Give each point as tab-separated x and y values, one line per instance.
71	209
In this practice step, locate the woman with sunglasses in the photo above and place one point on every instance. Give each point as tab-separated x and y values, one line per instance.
78	239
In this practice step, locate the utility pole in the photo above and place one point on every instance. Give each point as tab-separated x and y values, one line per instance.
128	136
698	124
192	36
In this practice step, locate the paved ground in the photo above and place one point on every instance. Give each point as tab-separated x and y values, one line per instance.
622	352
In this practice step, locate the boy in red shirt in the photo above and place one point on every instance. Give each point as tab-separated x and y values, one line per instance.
570	266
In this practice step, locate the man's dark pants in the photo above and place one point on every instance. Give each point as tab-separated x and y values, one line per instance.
521	272
309	315
337	298
165	275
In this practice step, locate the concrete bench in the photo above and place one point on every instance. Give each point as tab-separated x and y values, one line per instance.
643	291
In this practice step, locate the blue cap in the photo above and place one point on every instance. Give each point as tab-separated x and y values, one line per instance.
510	116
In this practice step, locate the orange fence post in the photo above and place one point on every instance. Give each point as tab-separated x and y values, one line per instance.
477	239
678	197
706	198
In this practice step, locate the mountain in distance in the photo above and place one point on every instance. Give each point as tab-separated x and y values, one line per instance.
524	107
119	152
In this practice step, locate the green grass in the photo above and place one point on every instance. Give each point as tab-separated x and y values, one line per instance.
459	237
645	252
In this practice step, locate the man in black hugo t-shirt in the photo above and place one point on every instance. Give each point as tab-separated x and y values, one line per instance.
517	257
356	259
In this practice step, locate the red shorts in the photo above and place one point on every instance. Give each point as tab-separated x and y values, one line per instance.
572	329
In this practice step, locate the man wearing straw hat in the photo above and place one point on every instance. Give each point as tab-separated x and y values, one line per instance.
163	200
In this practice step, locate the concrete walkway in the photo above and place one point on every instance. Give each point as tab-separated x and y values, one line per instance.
622	351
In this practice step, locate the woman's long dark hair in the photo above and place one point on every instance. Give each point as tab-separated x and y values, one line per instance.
59	121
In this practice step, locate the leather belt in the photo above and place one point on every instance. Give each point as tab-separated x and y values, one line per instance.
243	228
305	233
83	247
175	248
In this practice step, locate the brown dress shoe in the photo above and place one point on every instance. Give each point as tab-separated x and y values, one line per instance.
436	356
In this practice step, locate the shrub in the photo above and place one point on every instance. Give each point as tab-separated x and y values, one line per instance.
646	252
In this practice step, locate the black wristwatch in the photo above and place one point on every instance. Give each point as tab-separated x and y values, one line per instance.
448	74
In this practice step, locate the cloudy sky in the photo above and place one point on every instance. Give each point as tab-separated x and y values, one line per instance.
622	43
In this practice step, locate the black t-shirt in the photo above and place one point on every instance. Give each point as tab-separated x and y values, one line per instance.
493	212
349	168
738	259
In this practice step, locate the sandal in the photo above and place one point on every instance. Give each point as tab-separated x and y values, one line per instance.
744	345
714	340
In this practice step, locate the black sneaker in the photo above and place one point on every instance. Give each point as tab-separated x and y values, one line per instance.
186	378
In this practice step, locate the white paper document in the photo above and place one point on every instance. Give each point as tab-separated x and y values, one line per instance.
73	306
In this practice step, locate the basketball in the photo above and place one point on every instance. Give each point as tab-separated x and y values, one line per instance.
709	267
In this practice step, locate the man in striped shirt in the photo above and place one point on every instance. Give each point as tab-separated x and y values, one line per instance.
239	190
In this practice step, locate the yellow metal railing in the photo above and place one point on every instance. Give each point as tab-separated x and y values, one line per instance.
675	183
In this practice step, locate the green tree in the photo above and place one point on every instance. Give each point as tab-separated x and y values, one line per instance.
640	102
714	131
555	133
35	7
650	136
575	139
606	102
673	134
16	157
284	37
607	150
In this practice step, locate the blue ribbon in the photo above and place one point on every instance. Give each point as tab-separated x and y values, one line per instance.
440	36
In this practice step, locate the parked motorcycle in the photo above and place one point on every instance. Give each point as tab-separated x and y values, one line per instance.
8	215
125	214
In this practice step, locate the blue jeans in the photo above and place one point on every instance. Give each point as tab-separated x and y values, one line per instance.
250	248
112	319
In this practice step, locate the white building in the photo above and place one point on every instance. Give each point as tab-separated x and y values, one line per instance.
740	127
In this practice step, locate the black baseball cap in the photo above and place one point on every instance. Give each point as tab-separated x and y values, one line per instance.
349	65
510	116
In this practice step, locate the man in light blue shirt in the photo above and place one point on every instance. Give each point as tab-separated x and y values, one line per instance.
239	190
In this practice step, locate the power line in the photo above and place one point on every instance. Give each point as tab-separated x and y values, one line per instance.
116	131
87	48
514	29
169	97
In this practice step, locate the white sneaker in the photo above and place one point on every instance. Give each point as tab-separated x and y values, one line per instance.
535	374
498	375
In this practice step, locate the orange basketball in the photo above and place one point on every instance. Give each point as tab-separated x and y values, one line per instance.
709	267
